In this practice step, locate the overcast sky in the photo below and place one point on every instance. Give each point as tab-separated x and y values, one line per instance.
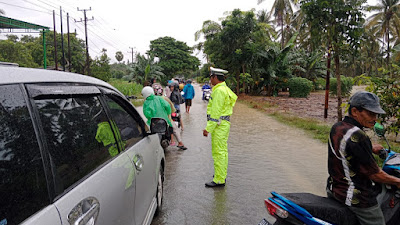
121	24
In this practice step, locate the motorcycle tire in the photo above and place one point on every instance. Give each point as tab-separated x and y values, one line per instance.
164	144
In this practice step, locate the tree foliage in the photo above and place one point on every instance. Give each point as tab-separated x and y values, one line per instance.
145	68
119	56
338	25
100	67
235	44
174	56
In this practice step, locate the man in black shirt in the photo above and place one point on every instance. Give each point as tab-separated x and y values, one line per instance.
354	177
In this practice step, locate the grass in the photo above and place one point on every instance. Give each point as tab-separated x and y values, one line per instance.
315	128
129	89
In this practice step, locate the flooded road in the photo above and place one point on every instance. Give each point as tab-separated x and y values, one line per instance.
264	156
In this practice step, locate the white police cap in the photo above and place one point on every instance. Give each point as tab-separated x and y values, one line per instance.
216	71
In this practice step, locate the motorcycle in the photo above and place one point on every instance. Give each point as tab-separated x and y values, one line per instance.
207	94
310	209
160	126
176	117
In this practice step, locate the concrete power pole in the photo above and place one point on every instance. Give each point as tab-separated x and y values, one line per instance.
55	40
131	52
69	46
62	41
86	37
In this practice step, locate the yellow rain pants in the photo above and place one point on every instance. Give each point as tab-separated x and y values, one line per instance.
219	109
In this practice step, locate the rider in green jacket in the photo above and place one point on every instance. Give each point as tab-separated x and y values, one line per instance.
155	106
219	110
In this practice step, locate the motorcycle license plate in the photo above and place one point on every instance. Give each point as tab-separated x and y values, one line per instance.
264	222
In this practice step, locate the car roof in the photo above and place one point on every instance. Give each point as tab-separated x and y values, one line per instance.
16	75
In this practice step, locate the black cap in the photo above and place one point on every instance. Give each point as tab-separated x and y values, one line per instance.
366	100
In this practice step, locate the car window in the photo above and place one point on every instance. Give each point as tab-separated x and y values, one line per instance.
78	135
129	129
23	189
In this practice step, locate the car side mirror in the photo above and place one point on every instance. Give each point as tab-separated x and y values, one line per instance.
158	126
379	130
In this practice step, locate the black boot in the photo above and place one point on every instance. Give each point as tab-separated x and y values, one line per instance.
213	184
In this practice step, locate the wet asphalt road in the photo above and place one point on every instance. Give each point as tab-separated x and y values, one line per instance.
264	156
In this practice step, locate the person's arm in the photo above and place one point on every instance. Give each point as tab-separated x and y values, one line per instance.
216	110
184	91
384	178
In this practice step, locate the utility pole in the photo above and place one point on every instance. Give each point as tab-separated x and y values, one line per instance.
86	37
69	46
62	41
131	52
55	40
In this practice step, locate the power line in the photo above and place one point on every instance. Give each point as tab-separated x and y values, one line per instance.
36	5
25	8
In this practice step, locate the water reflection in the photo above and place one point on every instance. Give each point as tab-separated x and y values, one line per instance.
219	211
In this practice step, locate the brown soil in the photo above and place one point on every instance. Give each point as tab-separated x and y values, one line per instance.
310	107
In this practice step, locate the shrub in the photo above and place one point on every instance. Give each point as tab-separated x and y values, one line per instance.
346	85
319	84
299	87
387	87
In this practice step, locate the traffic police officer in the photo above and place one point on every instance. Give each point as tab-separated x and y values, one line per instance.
219	110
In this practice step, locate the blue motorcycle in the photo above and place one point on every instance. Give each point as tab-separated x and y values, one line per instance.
310	209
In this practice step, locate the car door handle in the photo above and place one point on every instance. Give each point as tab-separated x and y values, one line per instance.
138	161
85	213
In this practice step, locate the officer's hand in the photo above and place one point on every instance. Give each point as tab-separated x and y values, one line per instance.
205	133
376	148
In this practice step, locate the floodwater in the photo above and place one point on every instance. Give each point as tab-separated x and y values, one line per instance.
264	156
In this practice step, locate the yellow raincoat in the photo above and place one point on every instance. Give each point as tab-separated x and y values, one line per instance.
219	109
105	134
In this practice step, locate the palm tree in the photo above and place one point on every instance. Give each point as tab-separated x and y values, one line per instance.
280	9
209	30
119	56
264	19
385	22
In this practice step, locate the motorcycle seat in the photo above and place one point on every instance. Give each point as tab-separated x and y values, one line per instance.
324	208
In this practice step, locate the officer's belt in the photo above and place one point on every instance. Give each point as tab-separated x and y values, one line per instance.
227	118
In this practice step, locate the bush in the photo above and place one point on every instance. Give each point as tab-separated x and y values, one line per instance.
118	74
387	88
346	84
299	87
319	84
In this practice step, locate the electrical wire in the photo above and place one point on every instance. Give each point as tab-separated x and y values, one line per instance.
24	7
97	32
37	5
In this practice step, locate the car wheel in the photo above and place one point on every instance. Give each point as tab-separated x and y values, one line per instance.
160	190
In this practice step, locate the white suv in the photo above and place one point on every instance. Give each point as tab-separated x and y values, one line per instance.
73	150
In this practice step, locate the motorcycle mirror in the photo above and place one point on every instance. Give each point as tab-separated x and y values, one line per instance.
158	125
379	129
